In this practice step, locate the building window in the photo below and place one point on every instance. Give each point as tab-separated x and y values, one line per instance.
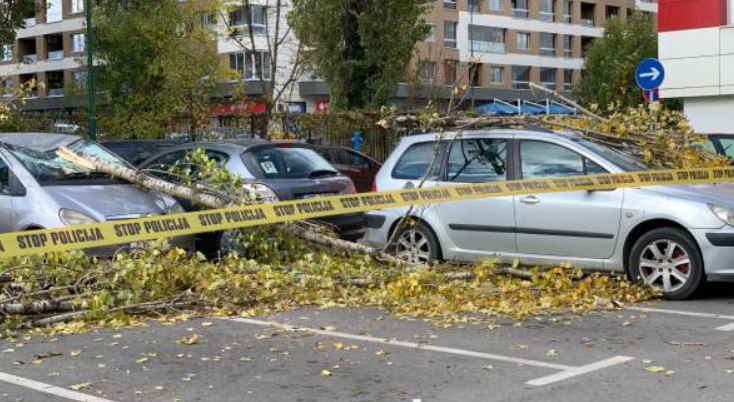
547	44
568	80
567	9
449	4
567	46
427	72
249	63
548	78
7	53
53	11
78	42
473	6
239	17
449	71
55	82
520	77
80	78
547	10
612	12
77	6
523	41
587	14
6	86
475	74
209	19
431	33
520	8
449	34
486	39
497	75
495	5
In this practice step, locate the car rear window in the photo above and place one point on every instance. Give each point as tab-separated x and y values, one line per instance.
286	163
415	162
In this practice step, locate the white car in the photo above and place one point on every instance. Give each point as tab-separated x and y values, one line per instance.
671	237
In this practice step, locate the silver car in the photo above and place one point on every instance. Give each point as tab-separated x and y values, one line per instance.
671	237
40	190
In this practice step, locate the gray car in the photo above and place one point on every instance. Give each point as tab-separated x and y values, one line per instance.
40	190
671	237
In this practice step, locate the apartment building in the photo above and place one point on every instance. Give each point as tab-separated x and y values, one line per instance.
47	51
497	47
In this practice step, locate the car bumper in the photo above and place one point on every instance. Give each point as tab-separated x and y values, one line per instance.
379	224
717	248
349	226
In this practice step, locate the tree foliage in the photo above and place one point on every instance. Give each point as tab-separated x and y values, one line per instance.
360	47
159	63
610	62
12	13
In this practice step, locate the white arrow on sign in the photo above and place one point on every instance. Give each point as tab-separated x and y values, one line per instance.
654	73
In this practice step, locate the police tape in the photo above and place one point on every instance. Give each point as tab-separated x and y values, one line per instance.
157	227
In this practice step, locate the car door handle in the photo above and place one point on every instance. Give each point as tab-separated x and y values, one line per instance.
529	199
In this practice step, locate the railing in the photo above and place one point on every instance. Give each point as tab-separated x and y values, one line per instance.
547	51
449	43
520	84
55	92
56	54
488	47
567	53
520	12
30	58
29	22
589	22
547	16
549	85
567	18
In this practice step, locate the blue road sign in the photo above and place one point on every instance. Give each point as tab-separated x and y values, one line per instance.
649	74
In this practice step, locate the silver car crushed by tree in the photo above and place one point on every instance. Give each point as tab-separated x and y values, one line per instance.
40	190
671	237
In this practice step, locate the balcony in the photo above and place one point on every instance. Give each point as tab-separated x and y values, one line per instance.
29	22
520	12
547	51
488	47
56	55
30	58
546	16
55	92
589	22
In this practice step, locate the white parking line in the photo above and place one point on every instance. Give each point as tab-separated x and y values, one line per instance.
49	389
727	327
566	371
684	313
581	370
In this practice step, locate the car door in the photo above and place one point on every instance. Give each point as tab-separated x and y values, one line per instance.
482	226
582	224
6	199
356	166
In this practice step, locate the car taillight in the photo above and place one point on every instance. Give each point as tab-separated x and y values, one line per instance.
350	189
374	186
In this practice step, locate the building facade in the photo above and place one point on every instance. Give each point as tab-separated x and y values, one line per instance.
696	48
496	47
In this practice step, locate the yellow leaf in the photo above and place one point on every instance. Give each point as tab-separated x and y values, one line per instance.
326	373
75	353
84	385
141	360
193	339
655	369
338	346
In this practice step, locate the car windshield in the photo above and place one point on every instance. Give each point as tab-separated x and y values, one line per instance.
47	167
624	161
287	163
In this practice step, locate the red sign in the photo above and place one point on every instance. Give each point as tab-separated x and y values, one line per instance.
238	108
322	106
677	15
655	95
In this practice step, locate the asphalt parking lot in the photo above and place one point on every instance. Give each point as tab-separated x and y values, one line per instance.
676	351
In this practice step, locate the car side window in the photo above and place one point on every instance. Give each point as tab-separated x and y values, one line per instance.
346	157
477	161
4	178
544	159
416	160
159	166
727	146
219	157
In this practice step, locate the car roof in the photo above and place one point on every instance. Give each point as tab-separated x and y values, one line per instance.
449	135
38	141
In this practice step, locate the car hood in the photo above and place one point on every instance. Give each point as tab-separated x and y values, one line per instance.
104	202
719	193
289	189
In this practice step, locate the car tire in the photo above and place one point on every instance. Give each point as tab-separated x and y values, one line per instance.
668	259
416	243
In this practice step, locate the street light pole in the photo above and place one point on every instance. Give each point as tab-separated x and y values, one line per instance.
91	115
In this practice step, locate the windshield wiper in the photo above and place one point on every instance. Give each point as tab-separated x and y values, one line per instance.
322	172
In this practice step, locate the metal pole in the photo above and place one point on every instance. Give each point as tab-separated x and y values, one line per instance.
92	117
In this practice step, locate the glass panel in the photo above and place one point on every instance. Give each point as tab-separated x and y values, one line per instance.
477	161
415	162
286	163
543	159
53	11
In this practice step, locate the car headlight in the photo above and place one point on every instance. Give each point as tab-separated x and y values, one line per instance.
71	217
262	192
176	208
726	214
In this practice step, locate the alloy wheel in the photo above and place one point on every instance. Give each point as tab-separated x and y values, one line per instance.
665	264
413	246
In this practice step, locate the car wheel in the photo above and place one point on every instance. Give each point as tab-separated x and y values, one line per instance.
416	244
668	259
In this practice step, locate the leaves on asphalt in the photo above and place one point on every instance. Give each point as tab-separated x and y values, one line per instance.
83	385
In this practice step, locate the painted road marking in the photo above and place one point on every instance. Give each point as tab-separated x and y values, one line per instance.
727	327
566	371
684	313
581	370
50	389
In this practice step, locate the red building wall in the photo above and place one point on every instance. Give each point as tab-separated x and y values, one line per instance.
677	15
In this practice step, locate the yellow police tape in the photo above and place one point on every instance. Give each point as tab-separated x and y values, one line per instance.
157	227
